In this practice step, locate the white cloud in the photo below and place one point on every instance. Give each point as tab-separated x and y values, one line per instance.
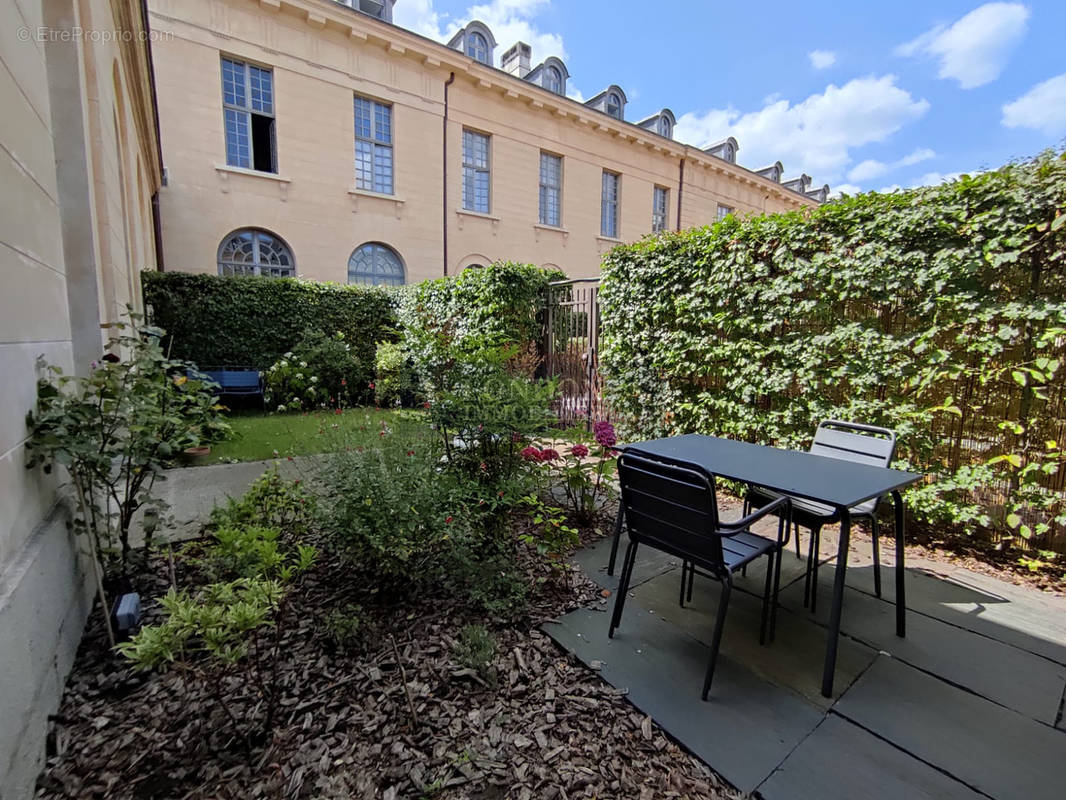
845	188
814	136
933	178
974	49
575	94
822	59
871	168
1042	108
509	20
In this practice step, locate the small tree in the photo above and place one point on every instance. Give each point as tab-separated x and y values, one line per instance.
115	430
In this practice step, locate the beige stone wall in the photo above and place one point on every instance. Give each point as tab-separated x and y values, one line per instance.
77	176
322	55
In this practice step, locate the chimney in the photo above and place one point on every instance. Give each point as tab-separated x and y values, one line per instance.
516	59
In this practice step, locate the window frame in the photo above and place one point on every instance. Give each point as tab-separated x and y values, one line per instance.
721	207
377	246
542	217
471	48
247	111
475	170
616	99
660	218
374	144
553	79
257	264
614	204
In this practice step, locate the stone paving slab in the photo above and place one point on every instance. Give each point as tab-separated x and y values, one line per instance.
995	750
841	761
1020	680
793	660
744	731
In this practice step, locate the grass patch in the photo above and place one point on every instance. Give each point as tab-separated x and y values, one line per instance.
258	436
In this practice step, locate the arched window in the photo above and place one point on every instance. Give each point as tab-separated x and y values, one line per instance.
664	127
477	47
614	105
251	251
375	264
553	80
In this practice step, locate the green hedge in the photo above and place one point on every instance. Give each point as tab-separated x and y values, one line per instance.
940	312
250	321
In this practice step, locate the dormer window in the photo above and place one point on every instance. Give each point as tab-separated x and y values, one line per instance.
477	47
662	123
553	80
665	129
614	105
611	101
476	41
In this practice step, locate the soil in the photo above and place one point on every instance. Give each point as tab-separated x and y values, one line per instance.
535	724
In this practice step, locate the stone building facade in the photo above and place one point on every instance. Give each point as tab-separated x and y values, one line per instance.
79	166
312	138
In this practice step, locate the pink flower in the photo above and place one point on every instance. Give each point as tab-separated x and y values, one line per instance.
344	382
579	450
371	384
604	432
530	453
549	454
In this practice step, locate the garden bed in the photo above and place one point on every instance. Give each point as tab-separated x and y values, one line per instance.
533	723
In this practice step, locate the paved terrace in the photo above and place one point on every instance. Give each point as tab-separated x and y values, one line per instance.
969	705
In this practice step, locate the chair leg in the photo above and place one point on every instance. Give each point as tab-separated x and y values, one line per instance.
766	597
691	580
877	554
617	537
816	546
684	576
623	587
716	638
796	528
775	559
812	561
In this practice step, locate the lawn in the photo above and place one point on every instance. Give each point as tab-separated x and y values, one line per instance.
257	436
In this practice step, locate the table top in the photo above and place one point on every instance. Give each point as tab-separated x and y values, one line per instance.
829	480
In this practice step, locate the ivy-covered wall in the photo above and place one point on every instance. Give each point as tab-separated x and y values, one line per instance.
939	312
248	321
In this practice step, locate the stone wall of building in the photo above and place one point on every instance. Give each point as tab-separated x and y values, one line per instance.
78	167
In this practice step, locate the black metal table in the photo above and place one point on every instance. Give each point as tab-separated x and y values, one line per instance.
841	484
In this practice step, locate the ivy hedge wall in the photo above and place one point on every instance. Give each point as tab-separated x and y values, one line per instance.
939	312
252	321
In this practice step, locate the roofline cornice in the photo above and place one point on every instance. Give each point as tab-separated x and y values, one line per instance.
400	42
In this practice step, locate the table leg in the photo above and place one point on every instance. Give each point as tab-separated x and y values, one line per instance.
614	544
901	599
838	603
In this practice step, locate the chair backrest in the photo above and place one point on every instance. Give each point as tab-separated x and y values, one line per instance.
855	441
671	506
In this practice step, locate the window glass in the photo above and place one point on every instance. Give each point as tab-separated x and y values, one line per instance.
551	173
375	264
251	251
476	172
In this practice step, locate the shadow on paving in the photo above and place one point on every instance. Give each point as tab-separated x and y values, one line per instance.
965	706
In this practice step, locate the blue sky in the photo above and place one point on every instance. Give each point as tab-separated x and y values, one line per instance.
861	95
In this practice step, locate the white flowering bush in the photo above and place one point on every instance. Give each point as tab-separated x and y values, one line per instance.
320	372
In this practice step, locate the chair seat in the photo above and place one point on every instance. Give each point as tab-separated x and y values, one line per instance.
744	548
808	512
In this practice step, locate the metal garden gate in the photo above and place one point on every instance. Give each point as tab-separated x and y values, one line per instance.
571	350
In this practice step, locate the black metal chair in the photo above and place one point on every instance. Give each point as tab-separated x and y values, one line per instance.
848	441
672	507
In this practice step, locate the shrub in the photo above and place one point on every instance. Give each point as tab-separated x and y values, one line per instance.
345	628
394	378
320	372
392	509
253	321
116	429
582	470
938	312
271	501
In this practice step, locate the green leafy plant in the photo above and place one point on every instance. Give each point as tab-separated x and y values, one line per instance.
114	431
319	372
394	380
345	628
551	535
937	312
582	471
271	501
476	650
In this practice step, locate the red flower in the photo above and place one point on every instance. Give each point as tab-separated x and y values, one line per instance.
448	520
530	453
344	382
604	432
410	452
483	466
426	404
371	384
579	450
549	454
337	411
